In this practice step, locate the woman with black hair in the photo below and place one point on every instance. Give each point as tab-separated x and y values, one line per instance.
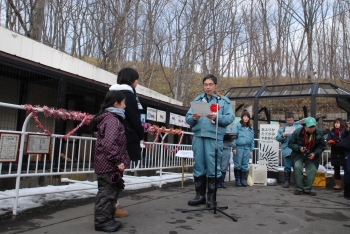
337	156
127	81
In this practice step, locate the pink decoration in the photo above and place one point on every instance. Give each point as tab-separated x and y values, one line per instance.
154	129
85	118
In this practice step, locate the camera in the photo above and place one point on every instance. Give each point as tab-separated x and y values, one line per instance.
117	180
306	152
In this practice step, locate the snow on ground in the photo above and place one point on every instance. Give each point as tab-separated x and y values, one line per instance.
35	197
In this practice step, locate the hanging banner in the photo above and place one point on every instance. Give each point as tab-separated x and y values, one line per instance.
269	147
161	116
151	114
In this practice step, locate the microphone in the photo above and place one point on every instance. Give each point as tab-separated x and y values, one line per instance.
215	96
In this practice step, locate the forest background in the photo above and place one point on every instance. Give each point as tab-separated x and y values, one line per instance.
174	43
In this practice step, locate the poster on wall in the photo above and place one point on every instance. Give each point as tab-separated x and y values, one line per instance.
269	147
179	120
184	124
172	118
9	145
161	116
143	118
151	114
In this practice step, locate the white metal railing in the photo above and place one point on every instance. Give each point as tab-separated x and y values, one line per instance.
324	160
75	156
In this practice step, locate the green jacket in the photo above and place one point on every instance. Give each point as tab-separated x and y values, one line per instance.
296	141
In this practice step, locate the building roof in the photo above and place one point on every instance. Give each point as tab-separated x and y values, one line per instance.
38	53
293	91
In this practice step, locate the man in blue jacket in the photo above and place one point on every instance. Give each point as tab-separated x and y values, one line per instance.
204	140
283	136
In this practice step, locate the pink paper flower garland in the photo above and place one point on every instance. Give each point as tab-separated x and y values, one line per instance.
85	118
154	129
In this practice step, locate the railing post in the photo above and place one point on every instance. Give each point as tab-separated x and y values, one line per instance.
161	160
19	165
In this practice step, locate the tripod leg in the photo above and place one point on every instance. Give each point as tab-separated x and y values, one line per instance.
231	217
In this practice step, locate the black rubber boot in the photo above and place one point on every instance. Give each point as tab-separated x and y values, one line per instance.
200	184
112	227
238	177
347	191
211	191
222	180
286	179
244	178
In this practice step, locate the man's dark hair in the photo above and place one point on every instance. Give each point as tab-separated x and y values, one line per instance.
210	76
289	115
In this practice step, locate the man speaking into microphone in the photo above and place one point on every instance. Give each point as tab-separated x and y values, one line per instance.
204	139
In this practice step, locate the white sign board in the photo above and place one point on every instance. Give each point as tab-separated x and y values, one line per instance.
269	147
151	114
173	118
9	144
161	116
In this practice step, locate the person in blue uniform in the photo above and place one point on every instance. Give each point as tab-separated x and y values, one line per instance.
243	148
283	136
204	140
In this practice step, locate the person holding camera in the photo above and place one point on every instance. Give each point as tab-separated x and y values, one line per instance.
337	156
307	145
110	159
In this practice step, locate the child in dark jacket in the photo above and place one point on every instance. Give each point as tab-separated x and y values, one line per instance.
111	158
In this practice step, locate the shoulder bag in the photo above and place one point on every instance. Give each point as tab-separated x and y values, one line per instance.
344	143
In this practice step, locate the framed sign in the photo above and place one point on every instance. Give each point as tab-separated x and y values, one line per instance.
9	145
151	114
161	116
143	118
38	144
172	119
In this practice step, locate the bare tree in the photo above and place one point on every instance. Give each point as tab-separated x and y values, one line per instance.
306	16
173	43
32	21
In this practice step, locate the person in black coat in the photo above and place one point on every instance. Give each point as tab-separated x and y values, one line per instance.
337	156
126	82
346	178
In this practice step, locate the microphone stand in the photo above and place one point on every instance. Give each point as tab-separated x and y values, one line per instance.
215	206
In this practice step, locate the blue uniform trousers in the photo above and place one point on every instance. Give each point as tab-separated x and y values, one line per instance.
241	159
204	156
287	164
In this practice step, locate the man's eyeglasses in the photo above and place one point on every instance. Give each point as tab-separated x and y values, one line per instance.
208	84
